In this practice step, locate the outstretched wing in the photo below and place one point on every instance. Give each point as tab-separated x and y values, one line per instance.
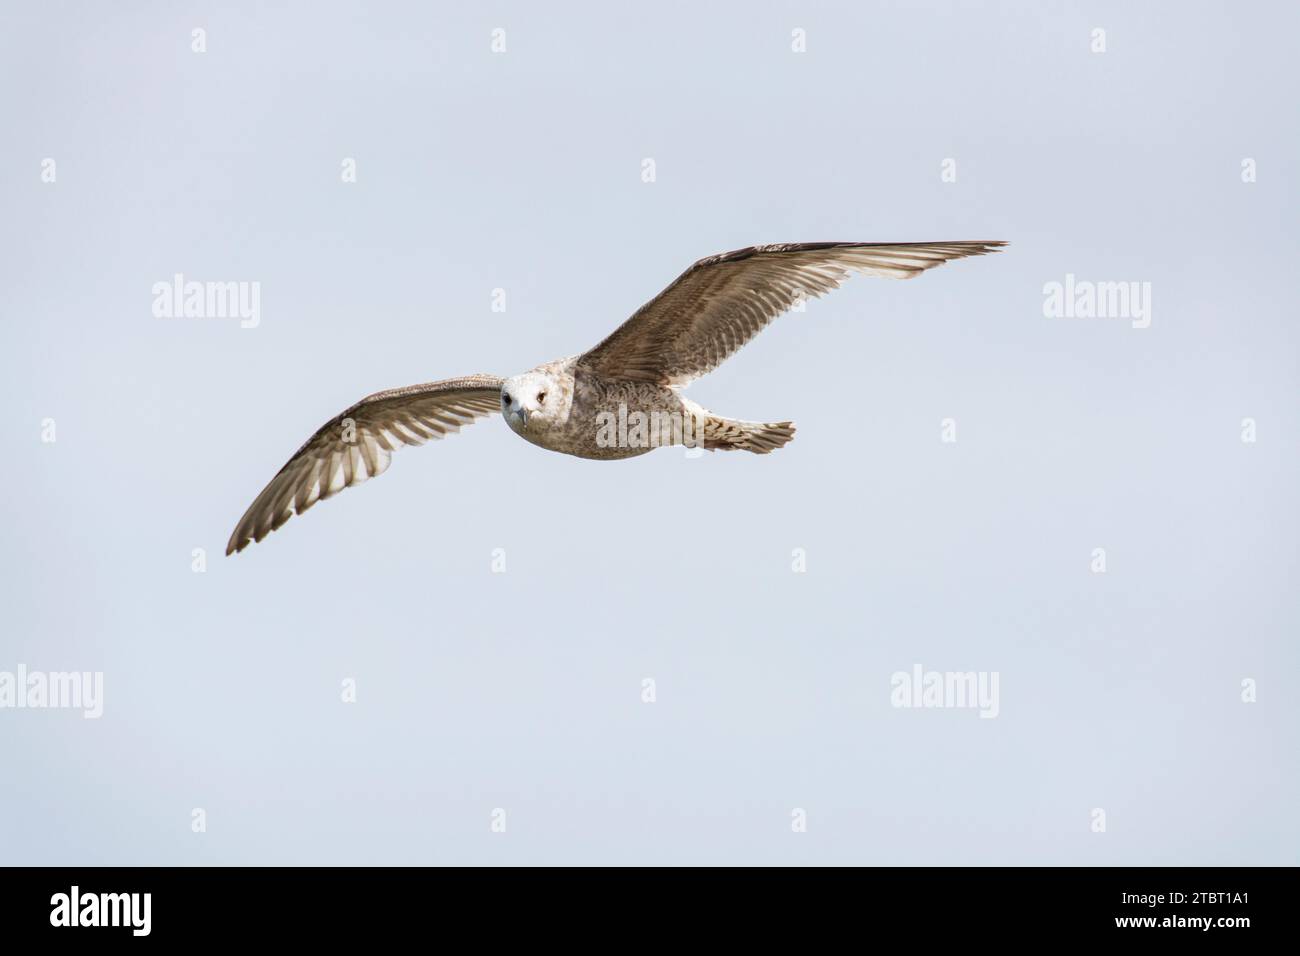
720	303
358	444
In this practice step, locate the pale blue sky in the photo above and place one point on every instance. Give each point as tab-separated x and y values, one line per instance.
522	690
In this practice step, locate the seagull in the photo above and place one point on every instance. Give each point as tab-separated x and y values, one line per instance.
618	400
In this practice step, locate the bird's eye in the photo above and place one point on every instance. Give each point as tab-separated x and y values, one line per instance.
506	398
541	398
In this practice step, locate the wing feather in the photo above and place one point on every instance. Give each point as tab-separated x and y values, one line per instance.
717	305
380	424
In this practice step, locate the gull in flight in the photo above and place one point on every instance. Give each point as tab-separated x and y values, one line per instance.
597	404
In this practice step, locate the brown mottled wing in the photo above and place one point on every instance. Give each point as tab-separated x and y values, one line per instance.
720	303
358	444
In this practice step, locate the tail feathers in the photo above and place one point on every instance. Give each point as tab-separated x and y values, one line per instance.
723	434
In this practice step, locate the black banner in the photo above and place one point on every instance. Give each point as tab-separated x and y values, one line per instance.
370	904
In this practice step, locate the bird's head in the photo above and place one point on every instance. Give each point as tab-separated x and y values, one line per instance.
533	402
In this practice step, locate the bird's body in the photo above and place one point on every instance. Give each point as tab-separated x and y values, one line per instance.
618	400
577	400
590	416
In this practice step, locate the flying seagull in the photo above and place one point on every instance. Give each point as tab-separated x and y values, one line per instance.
596	405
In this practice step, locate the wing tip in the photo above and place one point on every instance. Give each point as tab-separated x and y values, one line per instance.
237	543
